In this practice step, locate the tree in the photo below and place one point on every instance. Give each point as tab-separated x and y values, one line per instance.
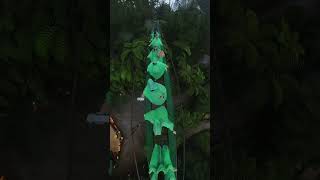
265	89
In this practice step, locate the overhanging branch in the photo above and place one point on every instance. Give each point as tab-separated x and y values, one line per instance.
203	126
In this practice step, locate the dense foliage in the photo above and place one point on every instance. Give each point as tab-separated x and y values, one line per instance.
40	57
265	76
51	53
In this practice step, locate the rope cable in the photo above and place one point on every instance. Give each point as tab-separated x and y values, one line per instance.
179	92
184	139
178	89
132	96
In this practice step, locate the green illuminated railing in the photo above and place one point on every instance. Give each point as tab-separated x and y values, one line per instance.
159	114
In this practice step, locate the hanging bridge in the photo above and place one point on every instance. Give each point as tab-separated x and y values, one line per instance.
160	142
160	148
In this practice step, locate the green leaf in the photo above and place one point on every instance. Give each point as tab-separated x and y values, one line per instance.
115	77
127	45
128	75
138	43
123	75
124	54
44	41
137	52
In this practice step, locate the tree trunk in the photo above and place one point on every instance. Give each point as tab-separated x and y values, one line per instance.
204	125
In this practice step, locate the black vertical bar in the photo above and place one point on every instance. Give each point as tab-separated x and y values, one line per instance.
71	55
107	50
222	131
